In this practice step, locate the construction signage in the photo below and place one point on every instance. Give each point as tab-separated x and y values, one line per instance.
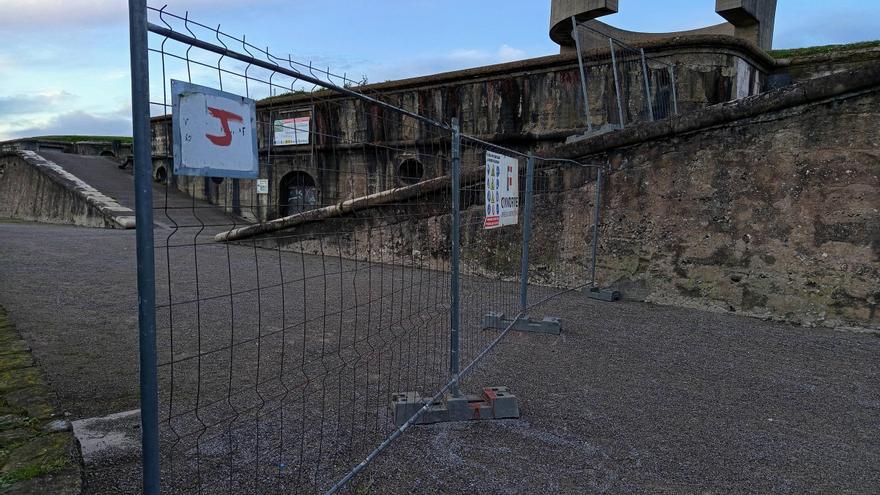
502	191
292	131
214	132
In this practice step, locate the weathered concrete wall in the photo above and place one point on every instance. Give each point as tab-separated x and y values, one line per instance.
772	211
531	105
768	207
35	189
805	67
119	150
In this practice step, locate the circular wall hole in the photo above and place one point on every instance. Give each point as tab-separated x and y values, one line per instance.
410	171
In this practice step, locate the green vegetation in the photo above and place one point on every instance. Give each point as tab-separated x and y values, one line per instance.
283	97
32	471
817	50
73	139
27	449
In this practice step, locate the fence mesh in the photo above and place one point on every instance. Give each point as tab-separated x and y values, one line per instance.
623	85
280	348
279	354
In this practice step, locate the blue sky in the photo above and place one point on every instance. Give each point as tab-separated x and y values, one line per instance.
64	63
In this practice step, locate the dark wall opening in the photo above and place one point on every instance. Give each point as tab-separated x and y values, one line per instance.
297	193
410	171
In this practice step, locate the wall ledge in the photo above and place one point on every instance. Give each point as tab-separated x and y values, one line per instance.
815	90
117	215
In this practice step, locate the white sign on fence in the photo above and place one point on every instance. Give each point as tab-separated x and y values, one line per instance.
292	131
262	186
502	191
214	132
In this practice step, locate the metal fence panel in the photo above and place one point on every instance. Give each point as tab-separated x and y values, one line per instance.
621	84
362	270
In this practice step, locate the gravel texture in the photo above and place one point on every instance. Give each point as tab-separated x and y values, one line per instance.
631	398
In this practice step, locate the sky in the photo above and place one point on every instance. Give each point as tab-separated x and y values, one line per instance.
64	64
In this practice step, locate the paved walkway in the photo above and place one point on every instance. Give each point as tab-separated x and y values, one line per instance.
631	398
105	175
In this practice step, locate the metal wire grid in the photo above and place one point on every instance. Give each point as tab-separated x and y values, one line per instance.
278	354
623	85
558	188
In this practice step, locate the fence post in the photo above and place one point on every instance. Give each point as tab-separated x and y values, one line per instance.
616	83
577	44
674	93
648	100
527	235
596	220
455	283
146	276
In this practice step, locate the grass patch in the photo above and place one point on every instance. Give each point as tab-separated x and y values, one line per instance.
75	138
816	50
33	471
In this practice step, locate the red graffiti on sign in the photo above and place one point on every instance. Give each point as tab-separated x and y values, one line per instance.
224	118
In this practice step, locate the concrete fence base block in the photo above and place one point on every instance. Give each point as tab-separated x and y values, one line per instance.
549	324
602	294
494	403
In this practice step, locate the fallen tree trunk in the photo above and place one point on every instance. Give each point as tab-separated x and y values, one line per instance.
348	206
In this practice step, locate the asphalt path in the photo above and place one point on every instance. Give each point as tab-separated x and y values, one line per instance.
630	398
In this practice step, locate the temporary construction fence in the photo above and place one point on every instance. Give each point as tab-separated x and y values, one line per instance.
269	360
620	84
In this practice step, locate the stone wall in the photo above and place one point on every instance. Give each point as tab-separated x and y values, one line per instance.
768	207
770	210
530	105
38	190
118	150
799	68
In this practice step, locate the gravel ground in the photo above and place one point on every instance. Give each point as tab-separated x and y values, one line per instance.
630	398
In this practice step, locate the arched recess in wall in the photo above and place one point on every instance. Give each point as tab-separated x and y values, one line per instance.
108	153
410	171
297	193
161	175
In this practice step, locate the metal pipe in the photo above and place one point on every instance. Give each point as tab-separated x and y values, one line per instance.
146	268
674	93
648	98
450	386
596	219
577	44
616	83
527	235
189	40
455	282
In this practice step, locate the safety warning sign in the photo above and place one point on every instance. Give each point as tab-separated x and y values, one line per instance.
502	191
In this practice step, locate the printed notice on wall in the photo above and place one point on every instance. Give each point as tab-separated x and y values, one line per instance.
292	131
502	191
262	186
214	132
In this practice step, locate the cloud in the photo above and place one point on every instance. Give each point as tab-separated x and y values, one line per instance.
26	104
39	14
24	14
509	53
816	29
77	122
454	60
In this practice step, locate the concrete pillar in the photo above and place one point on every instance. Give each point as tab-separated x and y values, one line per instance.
561	12
754	20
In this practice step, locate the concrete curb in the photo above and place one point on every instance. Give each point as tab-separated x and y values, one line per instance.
119	216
